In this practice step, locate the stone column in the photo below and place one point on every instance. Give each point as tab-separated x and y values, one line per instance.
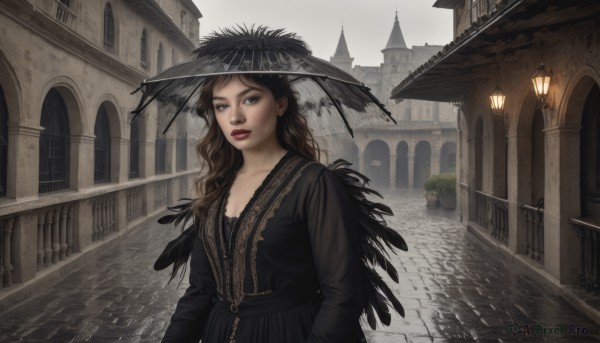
24	254
435	164
119	164
519	189
411	170
393	162
170	154
23	160
562	202
81	170
361	164
83	222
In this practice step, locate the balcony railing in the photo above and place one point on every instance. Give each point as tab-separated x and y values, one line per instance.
64	14
491	214
588	230
7	228
534	232
480	8
104	222
41	233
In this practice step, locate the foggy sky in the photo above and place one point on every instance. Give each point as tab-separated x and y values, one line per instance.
367	23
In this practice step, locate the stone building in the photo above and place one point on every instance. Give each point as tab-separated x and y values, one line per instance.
74	174
528	172
424	141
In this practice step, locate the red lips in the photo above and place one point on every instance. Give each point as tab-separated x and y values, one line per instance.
237	132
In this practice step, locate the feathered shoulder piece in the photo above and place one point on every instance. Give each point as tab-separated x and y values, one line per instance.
374	235
254	39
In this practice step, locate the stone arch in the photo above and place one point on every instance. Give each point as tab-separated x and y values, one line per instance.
73	100
402	165
571	105
448	157
114	115
11	96
422	165
11	88
376	157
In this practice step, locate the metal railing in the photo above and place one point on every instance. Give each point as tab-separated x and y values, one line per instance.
534	232
588	231
64	14
491	214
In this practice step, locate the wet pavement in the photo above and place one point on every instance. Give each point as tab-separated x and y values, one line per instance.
453	289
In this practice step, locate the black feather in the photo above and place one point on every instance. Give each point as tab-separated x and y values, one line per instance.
254	39
178	251
376	238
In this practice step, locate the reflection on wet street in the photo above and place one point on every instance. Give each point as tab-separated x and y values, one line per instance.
452	287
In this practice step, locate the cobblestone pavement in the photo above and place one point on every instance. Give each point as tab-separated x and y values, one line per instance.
453	290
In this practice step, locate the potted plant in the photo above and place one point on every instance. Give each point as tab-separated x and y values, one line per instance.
446	189
431	194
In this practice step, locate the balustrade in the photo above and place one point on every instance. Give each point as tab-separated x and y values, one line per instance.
161	194
55	235
588	230
104	221
7	227
184	191
534	233
491	214
63	13
135	203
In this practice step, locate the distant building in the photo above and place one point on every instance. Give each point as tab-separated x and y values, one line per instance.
73	171
424	141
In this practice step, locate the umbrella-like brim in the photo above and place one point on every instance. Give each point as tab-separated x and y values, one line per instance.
326	94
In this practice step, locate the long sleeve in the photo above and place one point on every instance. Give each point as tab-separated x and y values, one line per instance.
337	261
187	323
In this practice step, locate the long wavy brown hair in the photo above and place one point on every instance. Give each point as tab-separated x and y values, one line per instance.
220	160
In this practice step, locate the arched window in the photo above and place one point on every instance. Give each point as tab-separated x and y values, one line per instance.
159	58
3	143
181	153
109	29
144	49
134	150
54	144
102	146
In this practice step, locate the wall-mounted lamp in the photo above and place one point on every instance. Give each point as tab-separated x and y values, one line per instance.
541	84
497	101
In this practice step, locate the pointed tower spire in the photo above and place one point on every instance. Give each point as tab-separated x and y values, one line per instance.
396	38
342	48
341	58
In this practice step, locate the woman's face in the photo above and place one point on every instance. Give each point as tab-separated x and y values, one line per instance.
247	113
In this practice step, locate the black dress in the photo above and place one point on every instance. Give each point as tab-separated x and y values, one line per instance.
288	272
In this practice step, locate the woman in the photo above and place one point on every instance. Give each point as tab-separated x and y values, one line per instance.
282	247
278	234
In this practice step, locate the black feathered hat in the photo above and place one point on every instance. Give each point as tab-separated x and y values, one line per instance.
327	95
